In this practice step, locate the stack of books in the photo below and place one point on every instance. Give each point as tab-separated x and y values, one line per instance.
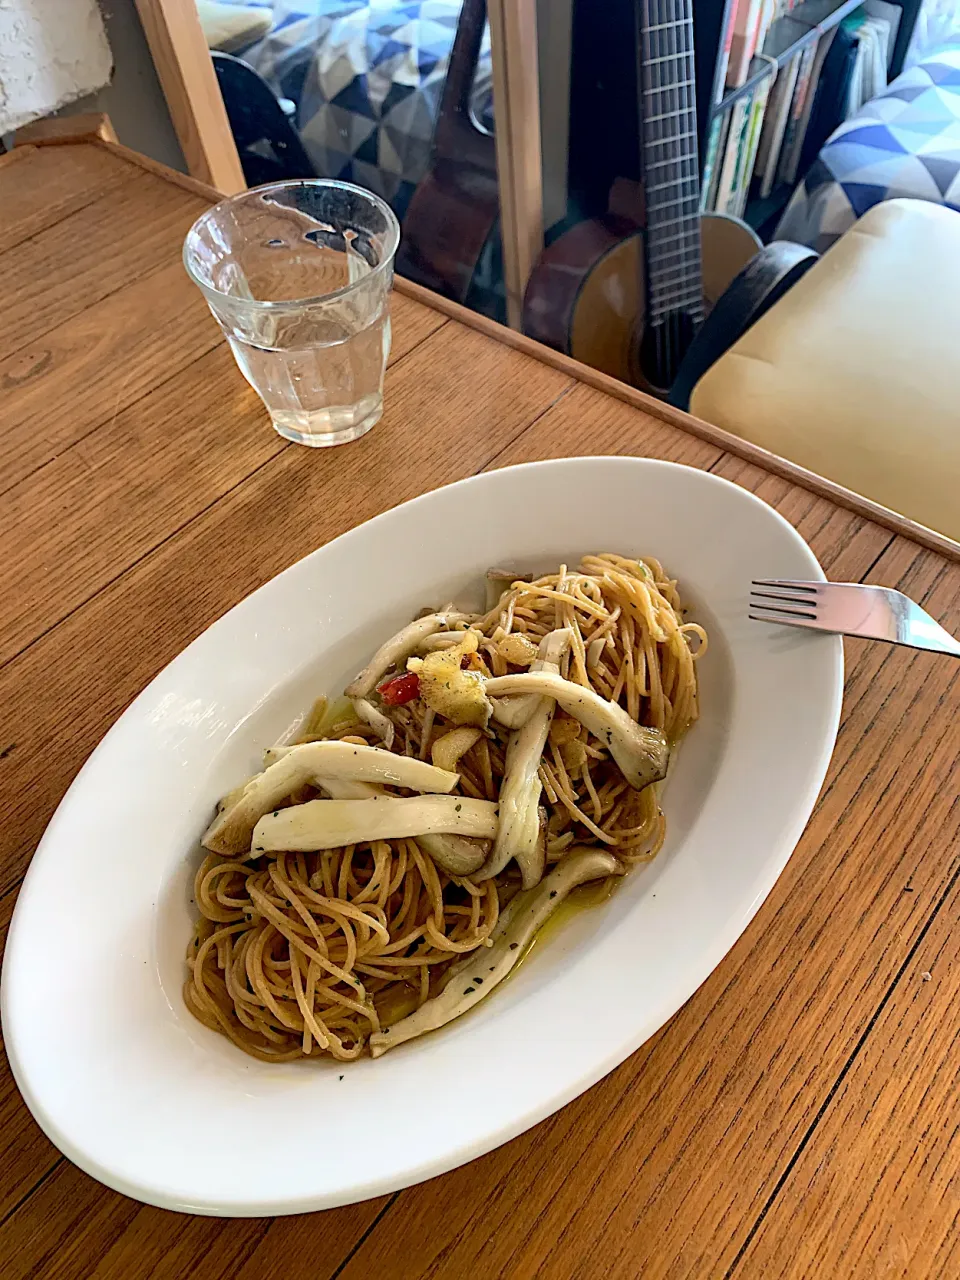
768	137
748	22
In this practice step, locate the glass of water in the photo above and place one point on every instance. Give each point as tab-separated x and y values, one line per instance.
298	275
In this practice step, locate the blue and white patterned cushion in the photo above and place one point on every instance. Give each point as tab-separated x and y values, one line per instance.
904	143
366	79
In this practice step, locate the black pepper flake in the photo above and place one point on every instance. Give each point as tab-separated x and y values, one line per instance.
470	991
341	1077
276	813
492	967
478	981
457	808
553	893
514	945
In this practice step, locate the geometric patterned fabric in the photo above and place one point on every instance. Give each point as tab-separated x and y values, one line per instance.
366	79
904	143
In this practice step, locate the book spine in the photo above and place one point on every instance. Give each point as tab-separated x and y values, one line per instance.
793	140
816	69
724	59
741	48
733	159
753	141
780	128
766	22
710	160
711	202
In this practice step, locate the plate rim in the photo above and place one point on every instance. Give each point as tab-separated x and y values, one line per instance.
558	1098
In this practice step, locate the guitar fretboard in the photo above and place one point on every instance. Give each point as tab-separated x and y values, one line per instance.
670	167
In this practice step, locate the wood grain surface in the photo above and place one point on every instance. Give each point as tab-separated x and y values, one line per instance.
55	184
796	1118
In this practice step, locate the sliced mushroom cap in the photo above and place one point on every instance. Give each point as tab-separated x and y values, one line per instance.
500	580
457	855
232	828
330	824
395	651
381	725
346	789
514	712
525	915
519	834
642	754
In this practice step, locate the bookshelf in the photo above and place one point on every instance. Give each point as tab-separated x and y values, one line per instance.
787	36
604	143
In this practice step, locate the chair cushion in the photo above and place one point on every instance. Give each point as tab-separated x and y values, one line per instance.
854	373
905	143
230	27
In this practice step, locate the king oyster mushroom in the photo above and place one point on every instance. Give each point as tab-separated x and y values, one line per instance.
330	824
457	855
393	652
381	725
520	834
232	828
642	754
477	975
514	712
500	580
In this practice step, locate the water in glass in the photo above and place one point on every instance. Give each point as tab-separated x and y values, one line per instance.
298	275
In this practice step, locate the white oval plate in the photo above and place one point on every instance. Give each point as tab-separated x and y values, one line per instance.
142	1097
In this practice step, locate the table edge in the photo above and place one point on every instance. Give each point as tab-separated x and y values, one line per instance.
91	132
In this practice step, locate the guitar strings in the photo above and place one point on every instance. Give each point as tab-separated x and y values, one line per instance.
674	315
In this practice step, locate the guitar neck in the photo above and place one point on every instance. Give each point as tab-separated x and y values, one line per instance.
668	133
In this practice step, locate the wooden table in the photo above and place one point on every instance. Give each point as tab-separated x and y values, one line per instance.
799	1116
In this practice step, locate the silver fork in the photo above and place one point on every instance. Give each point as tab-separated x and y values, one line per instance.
850	609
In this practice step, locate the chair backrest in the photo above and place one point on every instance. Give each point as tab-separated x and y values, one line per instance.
750	295
269	146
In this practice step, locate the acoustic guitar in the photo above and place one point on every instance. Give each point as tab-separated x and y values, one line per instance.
626	293
455	207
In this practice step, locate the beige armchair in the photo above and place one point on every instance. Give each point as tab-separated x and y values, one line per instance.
855	372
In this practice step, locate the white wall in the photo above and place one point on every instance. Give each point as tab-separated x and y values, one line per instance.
48	56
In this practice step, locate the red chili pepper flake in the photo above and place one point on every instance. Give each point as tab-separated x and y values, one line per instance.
400	689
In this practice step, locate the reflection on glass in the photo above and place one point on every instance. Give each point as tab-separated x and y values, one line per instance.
395	97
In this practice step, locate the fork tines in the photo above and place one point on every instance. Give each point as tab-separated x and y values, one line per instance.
796	601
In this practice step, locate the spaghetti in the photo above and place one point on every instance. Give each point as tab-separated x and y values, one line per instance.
306	953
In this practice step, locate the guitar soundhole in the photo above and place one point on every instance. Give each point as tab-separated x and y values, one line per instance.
663	346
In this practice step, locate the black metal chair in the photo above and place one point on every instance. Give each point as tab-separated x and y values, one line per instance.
758	287
269	146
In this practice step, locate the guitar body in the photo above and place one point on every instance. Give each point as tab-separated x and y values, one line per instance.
449	220
456	204
586	295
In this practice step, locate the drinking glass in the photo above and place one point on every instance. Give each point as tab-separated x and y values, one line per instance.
298	276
